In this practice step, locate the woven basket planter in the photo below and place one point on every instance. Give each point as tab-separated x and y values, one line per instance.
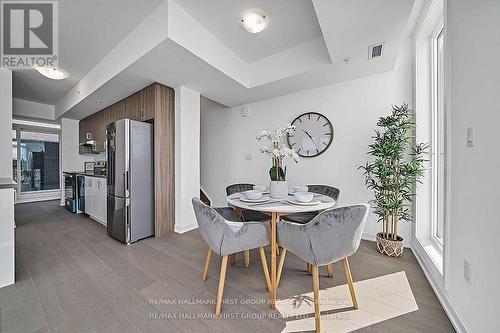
390	247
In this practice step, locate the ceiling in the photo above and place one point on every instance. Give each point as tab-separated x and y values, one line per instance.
291	23
88	31
201	45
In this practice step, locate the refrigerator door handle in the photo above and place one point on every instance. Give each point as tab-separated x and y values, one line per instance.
126	182
127	221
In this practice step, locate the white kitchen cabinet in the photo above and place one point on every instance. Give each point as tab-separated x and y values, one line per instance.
95	198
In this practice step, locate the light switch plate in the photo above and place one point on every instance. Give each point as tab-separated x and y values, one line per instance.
467	271
470	137
245	112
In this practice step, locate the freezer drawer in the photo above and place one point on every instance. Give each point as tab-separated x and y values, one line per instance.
118	221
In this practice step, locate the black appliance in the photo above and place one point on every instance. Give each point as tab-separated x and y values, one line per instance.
74	192
80	181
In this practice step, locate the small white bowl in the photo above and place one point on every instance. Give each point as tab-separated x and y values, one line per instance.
300	188
252	194
260	188
303	196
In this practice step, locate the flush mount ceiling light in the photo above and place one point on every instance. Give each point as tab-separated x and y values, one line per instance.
51	72
254	22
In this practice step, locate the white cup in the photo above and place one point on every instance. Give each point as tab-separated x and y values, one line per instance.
303	196
252	194
300	188
260	188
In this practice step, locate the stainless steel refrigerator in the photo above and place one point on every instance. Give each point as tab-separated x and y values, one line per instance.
130	186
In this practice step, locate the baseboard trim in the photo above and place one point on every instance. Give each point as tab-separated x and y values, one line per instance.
185	228
369	237
455	319
39	199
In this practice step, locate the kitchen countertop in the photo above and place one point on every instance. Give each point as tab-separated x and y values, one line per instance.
89	174
7	183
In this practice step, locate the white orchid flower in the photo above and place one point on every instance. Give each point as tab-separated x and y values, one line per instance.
277	150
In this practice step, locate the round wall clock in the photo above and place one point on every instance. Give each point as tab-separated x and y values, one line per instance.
313	134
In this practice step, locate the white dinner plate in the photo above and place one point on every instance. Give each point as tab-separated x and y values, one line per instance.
310	203
264	198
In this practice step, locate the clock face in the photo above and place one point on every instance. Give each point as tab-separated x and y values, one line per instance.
313	134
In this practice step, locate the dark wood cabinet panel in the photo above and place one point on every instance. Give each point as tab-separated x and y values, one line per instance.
132	107
147	102
164	138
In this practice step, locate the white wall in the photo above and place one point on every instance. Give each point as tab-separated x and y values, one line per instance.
353	107
6	195
5	124
187	157
473	40
70	159
28	109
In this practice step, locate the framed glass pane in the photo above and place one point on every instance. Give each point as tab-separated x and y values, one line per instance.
439	128
39	161
441	136
14	155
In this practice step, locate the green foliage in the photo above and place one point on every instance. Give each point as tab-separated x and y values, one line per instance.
277	174
397	166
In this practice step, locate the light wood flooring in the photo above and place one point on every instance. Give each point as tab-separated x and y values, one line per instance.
72	277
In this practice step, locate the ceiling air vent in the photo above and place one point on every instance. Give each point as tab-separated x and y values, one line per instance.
376	50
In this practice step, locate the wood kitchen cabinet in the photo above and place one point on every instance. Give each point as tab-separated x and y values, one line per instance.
138	106
155	102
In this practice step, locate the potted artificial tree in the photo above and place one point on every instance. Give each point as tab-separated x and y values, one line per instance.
278	187
392	175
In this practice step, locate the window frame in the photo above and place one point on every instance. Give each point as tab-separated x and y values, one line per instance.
437	242
20	125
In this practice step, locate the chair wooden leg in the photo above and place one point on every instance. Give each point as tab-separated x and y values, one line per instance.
348	277
280	266
247	258
222	279
264	268
309	268
315	278
207	263
329	267
232	259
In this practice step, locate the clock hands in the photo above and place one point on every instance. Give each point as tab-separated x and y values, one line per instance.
310	137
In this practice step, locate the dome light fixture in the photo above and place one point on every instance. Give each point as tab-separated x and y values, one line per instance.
51	72
254	22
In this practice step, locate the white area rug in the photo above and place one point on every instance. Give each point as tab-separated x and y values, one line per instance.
379	299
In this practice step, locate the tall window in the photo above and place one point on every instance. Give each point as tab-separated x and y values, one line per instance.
35	159
39	161
438	160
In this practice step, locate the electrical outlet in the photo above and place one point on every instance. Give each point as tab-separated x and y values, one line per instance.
470	137
467	271
248	157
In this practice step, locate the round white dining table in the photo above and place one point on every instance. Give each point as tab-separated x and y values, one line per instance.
276	208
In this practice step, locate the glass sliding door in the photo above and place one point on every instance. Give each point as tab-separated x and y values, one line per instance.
38	161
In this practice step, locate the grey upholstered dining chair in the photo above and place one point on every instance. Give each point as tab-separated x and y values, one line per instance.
303	218
246	215
224	236
331	236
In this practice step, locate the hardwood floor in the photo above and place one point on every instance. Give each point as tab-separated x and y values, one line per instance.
72	277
